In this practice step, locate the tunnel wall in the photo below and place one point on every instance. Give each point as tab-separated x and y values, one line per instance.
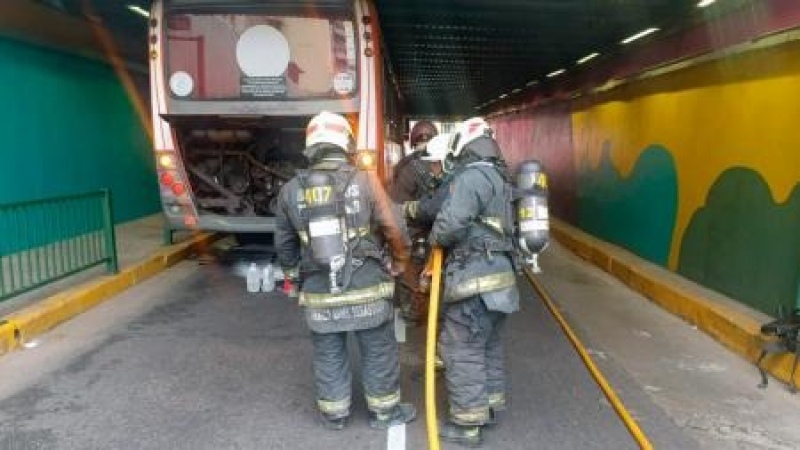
546	134
67	126
697	170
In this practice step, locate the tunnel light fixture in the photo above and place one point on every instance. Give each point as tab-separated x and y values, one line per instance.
503	95
516	91
556	73
588	57
139	10
704	3
531	83
639	35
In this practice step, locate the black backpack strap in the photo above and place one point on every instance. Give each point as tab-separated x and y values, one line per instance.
349	175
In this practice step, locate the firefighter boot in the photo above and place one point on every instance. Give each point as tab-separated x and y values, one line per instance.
332	422
494	417
467	435
401	413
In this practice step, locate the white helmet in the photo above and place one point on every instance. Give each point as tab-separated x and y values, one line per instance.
330	128
466	132
438	148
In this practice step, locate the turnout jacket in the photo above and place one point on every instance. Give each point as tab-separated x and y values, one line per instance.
411	179
372	222
474	227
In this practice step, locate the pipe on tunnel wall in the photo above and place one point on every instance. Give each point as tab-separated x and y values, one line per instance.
694	169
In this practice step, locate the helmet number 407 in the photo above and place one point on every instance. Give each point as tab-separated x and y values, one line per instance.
318	194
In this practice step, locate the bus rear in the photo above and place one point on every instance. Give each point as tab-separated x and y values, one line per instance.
233	85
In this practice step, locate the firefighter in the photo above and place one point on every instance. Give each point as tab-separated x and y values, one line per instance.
330	224
422	212
411	178
419	215
474	227
411	181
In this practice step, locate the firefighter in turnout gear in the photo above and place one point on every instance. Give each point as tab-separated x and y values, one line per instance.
412	180
421	213
475	228
331	222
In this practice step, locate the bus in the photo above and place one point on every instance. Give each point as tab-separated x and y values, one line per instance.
233	85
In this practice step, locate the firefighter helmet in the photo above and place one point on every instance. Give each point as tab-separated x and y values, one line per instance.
330	128
466	132
422	132
437	148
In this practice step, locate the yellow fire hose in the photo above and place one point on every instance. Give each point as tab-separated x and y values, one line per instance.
434	267
630	423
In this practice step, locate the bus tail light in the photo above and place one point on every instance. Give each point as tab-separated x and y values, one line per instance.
167	179
178	189
173	182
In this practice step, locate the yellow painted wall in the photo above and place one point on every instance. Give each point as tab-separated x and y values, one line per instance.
740	111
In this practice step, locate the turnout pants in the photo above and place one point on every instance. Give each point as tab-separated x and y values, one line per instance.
473	355
380	370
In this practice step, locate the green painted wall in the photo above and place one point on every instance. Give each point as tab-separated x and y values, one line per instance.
743	243
696	169
636	212
726	130
67	126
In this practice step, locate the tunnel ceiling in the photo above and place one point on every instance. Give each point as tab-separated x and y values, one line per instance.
456	57
453	56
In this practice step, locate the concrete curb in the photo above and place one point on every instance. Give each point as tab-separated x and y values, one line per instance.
24	325
7	341
721	317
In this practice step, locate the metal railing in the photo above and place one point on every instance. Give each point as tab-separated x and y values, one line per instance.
45	240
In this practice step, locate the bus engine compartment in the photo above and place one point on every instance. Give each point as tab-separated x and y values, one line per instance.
239	170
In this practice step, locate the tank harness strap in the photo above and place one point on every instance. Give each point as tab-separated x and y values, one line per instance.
337	209
500	228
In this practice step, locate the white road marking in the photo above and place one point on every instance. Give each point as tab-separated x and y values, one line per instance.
396	437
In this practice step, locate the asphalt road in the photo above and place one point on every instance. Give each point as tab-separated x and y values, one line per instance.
189	360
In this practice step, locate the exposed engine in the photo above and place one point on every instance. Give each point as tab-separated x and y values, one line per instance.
240	171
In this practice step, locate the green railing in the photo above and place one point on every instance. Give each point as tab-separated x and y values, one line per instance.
42	241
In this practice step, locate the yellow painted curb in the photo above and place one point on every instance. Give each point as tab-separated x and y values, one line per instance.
7	340
731	327
36	319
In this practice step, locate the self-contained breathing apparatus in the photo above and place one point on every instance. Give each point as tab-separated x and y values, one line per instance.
527	196
327	224
526	215
531	213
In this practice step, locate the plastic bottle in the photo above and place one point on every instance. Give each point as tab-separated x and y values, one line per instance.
253	278
268	279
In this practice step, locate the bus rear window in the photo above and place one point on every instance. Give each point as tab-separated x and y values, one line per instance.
260	57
